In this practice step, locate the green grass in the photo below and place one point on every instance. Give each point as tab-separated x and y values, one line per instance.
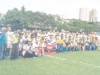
69	63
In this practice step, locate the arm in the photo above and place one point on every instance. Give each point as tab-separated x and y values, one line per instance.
1	36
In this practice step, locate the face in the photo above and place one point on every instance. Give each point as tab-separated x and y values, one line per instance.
9	29
29	43
17	35
24	30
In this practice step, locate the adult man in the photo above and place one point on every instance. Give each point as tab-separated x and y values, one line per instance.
2	43
14	41
9	45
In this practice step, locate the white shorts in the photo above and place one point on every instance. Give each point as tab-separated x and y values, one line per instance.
9	45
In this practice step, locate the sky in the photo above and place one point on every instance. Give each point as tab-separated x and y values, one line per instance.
68	8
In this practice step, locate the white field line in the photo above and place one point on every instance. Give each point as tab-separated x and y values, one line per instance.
63	59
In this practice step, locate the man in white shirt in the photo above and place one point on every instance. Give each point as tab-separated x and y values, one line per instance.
9	45
27	52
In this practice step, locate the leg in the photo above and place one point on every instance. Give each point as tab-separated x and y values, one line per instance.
1	52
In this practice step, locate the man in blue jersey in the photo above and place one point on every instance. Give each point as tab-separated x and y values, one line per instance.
2	42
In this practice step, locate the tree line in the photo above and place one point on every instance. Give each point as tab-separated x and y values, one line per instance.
19	19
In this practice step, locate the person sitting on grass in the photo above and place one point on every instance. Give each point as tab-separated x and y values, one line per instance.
27	52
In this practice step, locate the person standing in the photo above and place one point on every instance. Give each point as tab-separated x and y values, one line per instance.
14	41
9	45
2	43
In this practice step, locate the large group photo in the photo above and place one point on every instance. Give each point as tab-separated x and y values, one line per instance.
49	37
34	43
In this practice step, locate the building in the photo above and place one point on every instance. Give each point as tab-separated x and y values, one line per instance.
63	16
93	16
64	19
84	14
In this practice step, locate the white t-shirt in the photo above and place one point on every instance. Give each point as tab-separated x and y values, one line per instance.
9	35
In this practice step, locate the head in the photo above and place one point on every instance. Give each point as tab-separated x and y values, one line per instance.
9	28
29	43
24	30
16	33
4	29
21	34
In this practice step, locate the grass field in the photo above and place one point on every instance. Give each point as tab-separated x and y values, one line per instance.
69	63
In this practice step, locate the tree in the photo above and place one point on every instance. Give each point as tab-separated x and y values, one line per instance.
19	19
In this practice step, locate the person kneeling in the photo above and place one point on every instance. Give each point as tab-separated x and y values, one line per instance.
27	52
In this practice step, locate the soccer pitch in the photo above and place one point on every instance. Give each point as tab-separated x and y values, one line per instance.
68	63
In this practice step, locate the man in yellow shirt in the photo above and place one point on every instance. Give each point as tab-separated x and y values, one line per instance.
59	44
14	41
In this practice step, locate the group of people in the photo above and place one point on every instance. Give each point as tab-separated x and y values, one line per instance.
32	43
